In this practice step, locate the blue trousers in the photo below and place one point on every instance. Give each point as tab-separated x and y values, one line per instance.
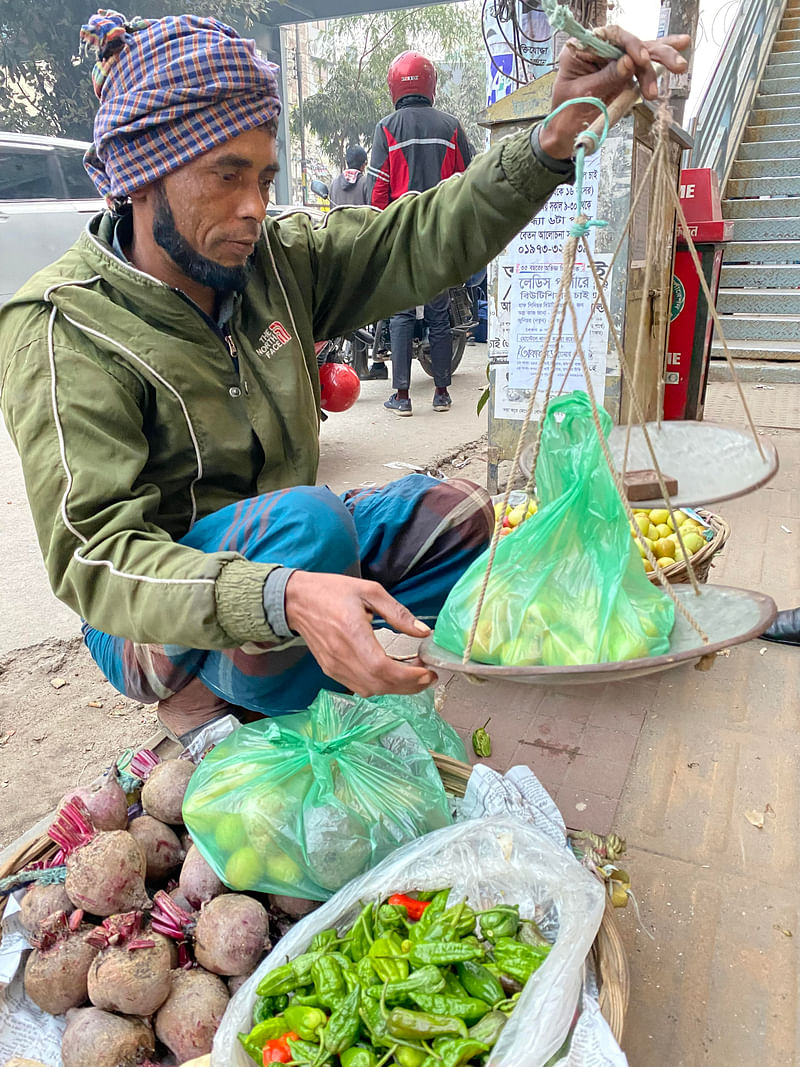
401	333
415	536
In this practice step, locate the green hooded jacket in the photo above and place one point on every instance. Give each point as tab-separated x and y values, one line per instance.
132	422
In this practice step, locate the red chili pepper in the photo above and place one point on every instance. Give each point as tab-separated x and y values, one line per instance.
415	908
277	1050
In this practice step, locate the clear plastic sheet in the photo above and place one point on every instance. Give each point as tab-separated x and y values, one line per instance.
488	861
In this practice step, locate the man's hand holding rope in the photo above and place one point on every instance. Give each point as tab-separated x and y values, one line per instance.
584	73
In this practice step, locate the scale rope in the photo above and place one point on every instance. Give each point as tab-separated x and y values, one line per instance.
587	143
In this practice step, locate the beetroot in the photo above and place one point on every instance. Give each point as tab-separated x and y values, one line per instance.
100	1039
105	870
231	934
160	845
294	907
191	1014
105	801
130	974
236	982
56	971
41	901
197	882
165	784
180	899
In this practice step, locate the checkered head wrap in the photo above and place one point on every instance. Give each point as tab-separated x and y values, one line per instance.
170	90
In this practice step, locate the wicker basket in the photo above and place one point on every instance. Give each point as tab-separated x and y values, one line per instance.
677	573
611	962
609	953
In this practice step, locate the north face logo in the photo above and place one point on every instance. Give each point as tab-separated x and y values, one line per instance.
274	337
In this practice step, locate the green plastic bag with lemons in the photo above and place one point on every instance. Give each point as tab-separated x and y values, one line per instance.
567	586
300	804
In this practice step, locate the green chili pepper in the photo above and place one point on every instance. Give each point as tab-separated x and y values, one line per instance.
404	1023
470	1009
453	1052
266	1007
362	935
501	921
530	934
410	1057
437	907
289	976
374	1020
329	982
324	940
456	922
391	917
479	982
307	1052
365	972
305	1021
253	1043
452	986
519	961
389	961
481	742
307	999
489	1028
344	1024
425	980
440	953
358	1057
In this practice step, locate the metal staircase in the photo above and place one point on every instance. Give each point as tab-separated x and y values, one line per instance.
754	103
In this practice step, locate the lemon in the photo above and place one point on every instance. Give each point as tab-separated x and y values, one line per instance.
664	548
648	566
665	561
642	520
517	514
641	548
658	515
680	517
693	542
282	869
229	833
244	869
663	530
653	533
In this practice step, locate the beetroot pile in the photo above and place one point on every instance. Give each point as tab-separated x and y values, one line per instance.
142	946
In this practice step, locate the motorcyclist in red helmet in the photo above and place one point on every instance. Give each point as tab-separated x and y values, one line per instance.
414	148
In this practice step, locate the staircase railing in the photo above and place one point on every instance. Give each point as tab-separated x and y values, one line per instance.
732	86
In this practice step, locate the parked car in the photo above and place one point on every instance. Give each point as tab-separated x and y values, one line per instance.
46	198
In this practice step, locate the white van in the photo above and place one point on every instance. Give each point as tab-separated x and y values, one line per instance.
46	199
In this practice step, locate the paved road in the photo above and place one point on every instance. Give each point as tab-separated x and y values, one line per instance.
355	447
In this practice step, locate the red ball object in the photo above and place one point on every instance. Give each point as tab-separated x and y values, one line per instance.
340	386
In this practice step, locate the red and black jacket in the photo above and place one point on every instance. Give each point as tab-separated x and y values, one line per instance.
415	148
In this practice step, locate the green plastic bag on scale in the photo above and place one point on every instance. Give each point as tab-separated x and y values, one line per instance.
568	586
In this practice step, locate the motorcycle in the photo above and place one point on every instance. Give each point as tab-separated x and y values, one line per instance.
372	344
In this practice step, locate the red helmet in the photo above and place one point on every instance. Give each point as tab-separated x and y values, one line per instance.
411	72
340	386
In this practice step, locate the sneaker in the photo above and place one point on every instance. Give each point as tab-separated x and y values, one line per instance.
377	372
399	407
441	400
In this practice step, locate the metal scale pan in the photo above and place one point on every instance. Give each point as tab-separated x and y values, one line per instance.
711	462
728	616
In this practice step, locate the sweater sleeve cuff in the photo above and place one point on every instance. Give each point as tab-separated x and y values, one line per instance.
563	167
239	592
525	172
275	601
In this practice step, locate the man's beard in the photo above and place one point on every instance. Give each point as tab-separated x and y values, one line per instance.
194	265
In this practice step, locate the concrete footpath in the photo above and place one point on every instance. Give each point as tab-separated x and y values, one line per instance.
682	765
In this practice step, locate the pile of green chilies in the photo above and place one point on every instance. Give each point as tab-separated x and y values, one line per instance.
413	982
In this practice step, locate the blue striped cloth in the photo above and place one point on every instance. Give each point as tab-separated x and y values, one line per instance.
170	90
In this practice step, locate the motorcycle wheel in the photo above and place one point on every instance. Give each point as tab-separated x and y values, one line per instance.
424	354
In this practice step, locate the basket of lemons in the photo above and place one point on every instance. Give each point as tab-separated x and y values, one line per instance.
703	534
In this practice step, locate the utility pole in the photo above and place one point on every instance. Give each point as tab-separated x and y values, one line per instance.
300	115
680	16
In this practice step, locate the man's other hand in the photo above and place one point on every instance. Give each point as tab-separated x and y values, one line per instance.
333	613
584	73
